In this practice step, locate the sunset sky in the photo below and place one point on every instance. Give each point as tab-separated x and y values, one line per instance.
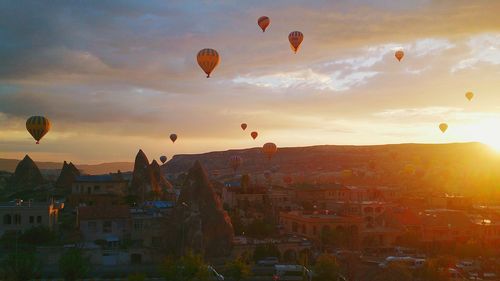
116	76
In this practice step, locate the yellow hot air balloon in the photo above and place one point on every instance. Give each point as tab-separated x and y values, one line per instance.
38	126
263	22
443	127
295	38
208	59
269	149
399	55
469	95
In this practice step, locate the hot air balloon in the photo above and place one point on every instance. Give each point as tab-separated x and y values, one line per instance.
263	22
269	149
163	159
254	135
173	137
243	126
38	126
208	59
399	54
469	95
235	162
443	127
295	38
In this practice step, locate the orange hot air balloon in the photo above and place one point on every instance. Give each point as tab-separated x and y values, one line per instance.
269	149
443	127
254	135
235	162
243	126
295	38
208	59
469	95
38	126
173	137
399	55
263	22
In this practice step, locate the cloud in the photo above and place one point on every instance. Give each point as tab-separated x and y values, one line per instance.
484	48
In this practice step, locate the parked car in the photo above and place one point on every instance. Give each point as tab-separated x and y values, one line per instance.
291	272
409	262
269	261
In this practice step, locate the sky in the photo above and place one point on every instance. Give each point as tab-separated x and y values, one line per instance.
117	76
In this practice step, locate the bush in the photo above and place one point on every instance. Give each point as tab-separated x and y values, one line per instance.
73	265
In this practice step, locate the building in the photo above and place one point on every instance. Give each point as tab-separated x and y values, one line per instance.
107	223
446	226
98	190
235	196
22	215
314	224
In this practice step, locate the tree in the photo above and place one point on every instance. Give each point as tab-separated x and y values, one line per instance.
326	268
238	269
73	265
190	267
259	229
20	267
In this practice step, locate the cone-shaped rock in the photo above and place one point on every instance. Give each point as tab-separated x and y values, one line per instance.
27	174
199	222
67	176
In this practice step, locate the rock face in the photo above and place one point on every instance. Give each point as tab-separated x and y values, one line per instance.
67	176
147	181
199	223
27	174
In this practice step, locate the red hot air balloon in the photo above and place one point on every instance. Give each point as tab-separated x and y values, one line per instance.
254	135
263	22
399	55
269	149
173	137
243	126
235	162
295	38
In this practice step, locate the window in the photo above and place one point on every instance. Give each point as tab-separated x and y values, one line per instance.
7	219
92	225
39	219
89	190
106	226
17	219
32	219
97	188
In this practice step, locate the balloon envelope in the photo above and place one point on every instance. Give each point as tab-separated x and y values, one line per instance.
208	59
295	38
269	149
38	126
243	126
235	162
254	135
443	127
399	55
163	159
173	137
469	95
263	22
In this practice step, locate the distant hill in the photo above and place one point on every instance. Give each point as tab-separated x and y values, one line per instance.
449	167
9	165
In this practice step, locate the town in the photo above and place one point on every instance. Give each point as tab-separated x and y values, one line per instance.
274	225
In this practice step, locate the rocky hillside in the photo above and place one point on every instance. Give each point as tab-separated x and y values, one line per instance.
9	165
458	166
148	182
67	176
26	176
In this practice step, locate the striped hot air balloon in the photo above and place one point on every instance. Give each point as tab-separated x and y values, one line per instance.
235	162
263	22
38	126
269	149
295	38
208	59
